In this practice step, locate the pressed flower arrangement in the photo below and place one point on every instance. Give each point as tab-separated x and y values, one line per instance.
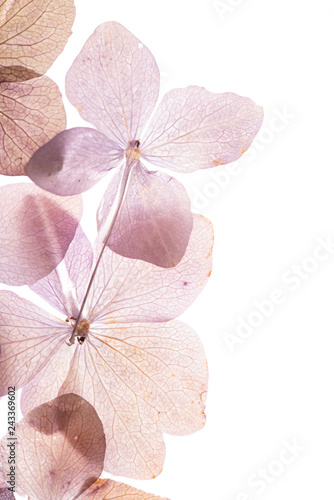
110	374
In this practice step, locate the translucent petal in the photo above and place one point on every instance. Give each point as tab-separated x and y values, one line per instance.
73	161
114	83
17	74
155	221
34	32
128	290
31	113
194	128
61	449
36	229
45	385
142	379
107	489
29	337
66	285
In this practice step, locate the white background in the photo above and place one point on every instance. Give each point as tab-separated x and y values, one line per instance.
277	384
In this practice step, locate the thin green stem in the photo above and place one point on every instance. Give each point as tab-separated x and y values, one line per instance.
120	196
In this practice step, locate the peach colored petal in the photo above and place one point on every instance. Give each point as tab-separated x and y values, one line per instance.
31	113
34	32
142	379
107	489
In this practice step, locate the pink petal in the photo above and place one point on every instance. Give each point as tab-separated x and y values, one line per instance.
32	112
142	379
34	32
107	489
46	384
133	290
60	449
114	83
36	229
29	337
73	161
155	220
194	128
66	285
100	373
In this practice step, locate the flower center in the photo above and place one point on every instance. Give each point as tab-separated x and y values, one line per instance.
82	329
133	150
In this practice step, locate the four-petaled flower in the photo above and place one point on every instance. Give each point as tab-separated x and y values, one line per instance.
143	372
114	84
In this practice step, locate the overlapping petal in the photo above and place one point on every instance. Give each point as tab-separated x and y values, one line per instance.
73	161
6	494
107	489
32	34
128	290
66	285
49	379
60	448
29	337
155	221
36	229
114	83
194	128
31	113
142	379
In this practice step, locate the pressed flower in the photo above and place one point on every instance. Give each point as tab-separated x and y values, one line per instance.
36	229
144	372
32	34
61	446
114	84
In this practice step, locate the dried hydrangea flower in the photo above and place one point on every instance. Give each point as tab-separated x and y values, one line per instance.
114	84
144	372
60	448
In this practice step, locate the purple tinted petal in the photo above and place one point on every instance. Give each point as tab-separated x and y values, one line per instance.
6	494
36	229
114	83
194	128
32	112
29	337
73	161
107	489
61	447
155	221
34	32
65	287
128	290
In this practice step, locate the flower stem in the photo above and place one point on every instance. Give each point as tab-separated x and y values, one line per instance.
120	196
